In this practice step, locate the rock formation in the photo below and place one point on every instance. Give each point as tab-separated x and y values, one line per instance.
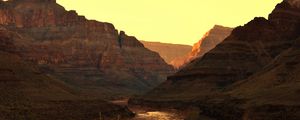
56	64
83	53
209	41
168	52
246	51
28	93
252	74
295	3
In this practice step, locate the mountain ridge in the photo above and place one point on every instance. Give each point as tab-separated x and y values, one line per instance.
252	74
208	41
168	51
65	44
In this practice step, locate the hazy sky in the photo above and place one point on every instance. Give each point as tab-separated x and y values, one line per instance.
171	21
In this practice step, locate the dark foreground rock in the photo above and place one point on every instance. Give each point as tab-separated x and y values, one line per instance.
27	93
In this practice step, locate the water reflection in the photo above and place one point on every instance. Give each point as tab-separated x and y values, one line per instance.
145	114
157	115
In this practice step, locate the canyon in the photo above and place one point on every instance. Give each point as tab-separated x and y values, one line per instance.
56	64
87	54
252	74
179	55
29	93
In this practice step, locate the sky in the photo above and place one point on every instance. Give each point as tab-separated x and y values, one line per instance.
171	21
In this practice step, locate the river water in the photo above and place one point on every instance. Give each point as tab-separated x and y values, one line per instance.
156	115
143	113
149	114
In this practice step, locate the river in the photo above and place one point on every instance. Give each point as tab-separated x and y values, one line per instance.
168	114
147	114
141	114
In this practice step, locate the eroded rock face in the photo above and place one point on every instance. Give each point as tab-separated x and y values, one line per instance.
23	84
295	3
246	51
253	72
84	53
209	41
169	52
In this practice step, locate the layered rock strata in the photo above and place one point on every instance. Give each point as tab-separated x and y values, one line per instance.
252	74
169	52
209	41
85	53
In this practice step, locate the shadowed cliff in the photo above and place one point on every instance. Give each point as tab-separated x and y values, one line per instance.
252	74
84	53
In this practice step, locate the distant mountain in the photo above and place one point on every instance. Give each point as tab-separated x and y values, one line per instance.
209	41
252	74
168	51
87	54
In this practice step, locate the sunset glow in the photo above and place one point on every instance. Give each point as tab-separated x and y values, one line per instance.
176	21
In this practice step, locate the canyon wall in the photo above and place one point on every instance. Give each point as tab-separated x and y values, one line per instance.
167	51
88	54
29	93
209	41
252	74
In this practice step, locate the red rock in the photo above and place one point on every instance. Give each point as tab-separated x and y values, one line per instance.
169	52
23	84
209	41
252	74
84	53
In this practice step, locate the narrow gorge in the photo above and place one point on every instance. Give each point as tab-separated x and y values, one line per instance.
56	64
